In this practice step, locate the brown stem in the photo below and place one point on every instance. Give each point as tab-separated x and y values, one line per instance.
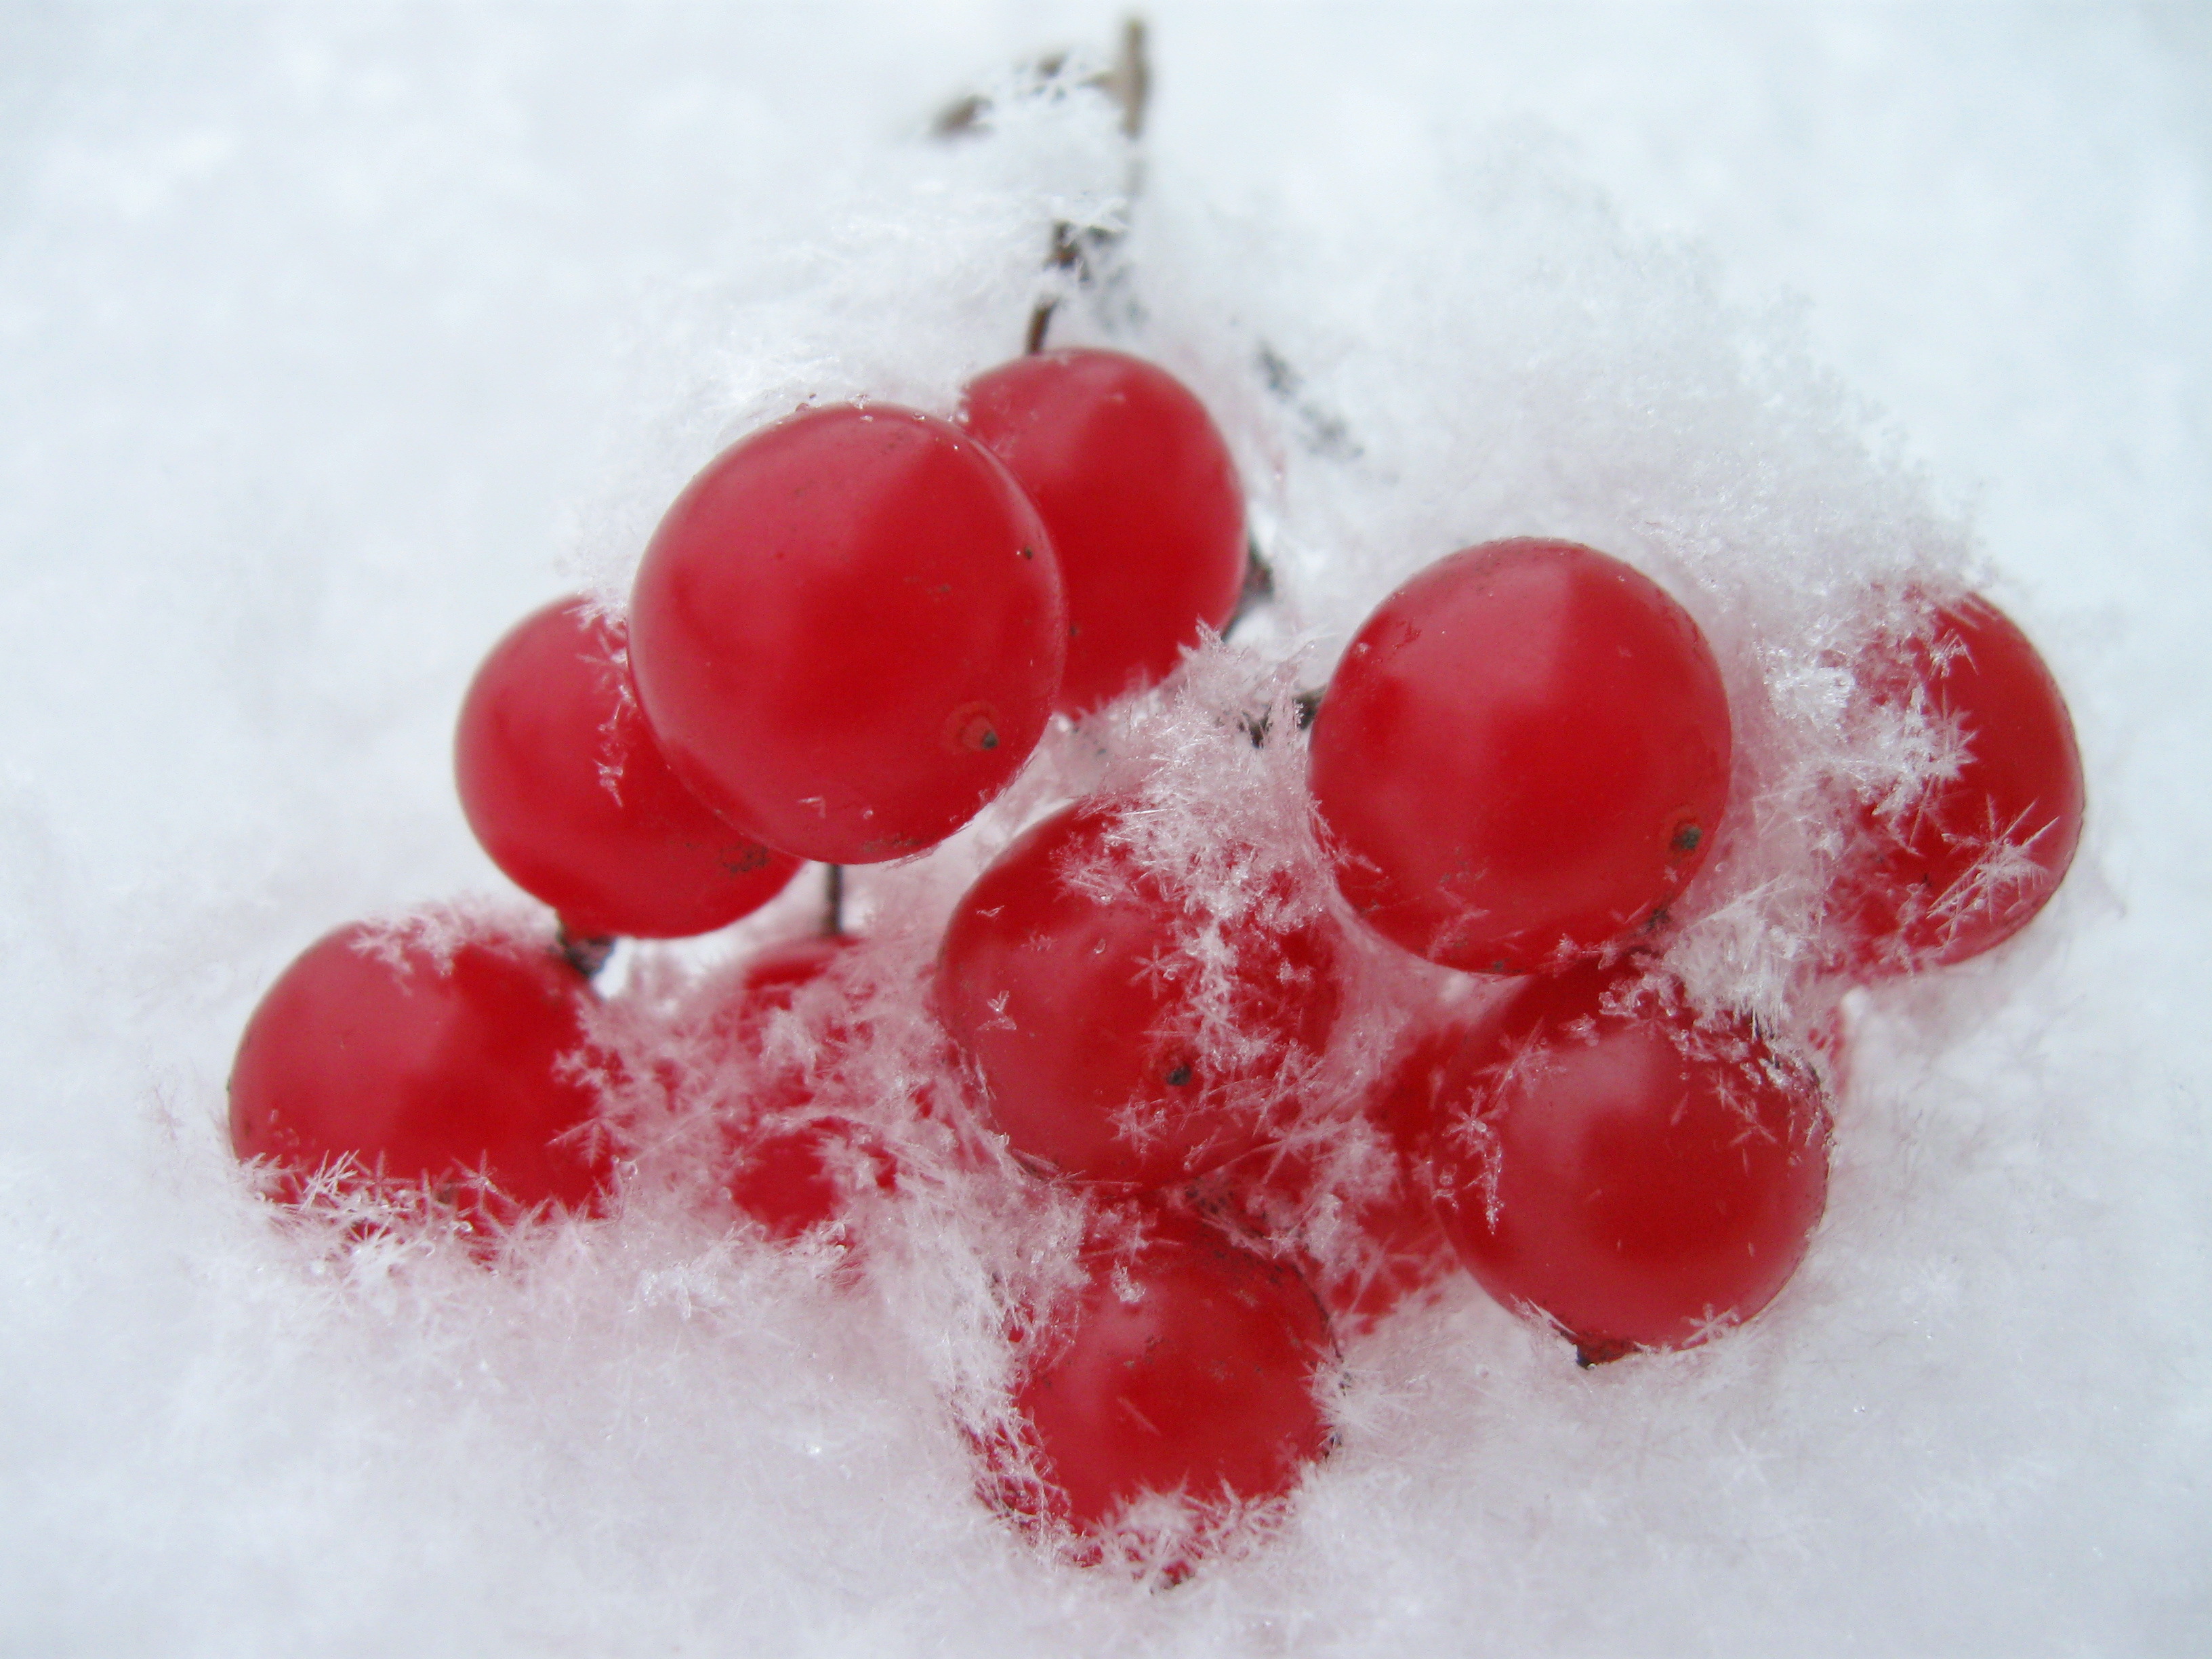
1128	83
587	953
1259	585
1040	318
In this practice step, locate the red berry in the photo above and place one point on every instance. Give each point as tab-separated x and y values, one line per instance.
1112	1047
1404	1250
1183	1367
1522	757
1352	1201
376	1055
1641	1177
798	1175
768	983
1970	858
1137	487
849	631
563	784
794	1169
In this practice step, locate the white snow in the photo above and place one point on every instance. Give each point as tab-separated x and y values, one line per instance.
333	342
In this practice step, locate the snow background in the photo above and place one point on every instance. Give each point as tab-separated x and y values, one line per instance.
327	337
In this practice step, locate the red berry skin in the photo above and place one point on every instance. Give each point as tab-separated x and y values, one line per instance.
796	1176
564	784
1522	757
1641	1178
770	980
847	632
1077	1001
1408	1251
1366	1238
1973	858
793	1169
448	1072
1137	487
1186	1365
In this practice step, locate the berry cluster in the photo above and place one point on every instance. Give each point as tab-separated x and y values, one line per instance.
847	637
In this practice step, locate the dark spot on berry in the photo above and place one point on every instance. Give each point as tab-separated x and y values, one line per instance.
1028	552
973	727
1601	1350
1179	1077
1687	838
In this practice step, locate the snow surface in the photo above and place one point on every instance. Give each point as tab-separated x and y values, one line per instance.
335	341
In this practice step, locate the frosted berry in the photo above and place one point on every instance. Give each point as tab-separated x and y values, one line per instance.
378	1055
1638	1176
1350	1201
793	1168
1183	1369
1969	858
1110	1047
801	1175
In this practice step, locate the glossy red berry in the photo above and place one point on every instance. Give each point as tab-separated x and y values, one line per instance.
564	784
1183	1369
1968	860
1641	1177
1119	1036
849	631
379	1055
1137	487
1522	757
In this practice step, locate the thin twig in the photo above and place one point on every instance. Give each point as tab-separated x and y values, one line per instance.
586	953
1128	83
